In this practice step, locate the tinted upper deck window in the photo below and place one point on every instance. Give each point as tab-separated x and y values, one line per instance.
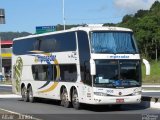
50	43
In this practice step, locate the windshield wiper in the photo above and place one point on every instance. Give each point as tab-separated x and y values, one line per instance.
104	51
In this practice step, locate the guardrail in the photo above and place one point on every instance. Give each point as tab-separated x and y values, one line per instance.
148	86
151	88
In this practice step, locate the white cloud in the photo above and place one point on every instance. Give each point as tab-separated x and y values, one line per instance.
131	6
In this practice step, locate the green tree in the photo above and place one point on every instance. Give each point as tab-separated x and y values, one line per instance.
146	26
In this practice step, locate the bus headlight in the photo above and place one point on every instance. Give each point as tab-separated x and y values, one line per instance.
137	93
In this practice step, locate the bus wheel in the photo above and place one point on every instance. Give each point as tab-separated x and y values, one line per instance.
64	98
30	92
24	94
75	99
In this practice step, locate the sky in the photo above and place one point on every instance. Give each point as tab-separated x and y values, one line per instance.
25	15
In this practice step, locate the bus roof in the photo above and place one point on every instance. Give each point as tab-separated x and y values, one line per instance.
83	28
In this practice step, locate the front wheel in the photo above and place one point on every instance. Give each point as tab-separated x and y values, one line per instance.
75	100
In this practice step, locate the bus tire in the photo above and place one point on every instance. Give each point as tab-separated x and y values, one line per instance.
30	94
24	94
65	98
75	99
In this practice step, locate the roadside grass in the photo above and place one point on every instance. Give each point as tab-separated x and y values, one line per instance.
154	77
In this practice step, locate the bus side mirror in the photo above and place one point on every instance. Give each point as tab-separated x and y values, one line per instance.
147	65
93	67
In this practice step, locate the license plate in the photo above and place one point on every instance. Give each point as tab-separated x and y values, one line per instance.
119	100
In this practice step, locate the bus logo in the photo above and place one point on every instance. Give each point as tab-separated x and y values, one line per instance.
120	93
119	57
48	58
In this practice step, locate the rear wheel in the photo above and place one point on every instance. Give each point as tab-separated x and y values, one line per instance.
24	94
30	93
75	100
65	98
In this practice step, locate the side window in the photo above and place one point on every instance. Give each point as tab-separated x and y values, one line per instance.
58	42
42	72
68	73
83	44
24	46
50	43
84	55
65	42
36	44
47	44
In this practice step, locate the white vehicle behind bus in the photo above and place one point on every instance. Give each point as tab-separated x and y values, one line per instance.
92	64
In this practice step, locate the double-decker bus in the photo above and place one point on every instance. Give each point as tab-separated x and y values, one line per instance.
92	64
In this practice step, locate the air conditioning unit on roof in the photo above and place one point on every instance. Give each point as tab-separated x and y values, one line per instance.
94	25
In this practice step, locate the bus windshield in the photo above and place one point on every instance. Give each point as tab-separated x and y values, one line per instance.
114	42
117	73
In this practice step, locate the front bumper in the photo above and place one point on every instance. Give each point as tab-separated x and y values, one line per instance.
100	100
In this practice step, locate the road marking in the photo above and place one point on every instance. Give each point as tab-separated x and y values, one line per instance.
10	96
20	115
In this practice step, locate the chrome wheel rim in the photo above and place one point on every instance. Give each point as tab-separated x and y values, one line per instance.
30	95
75	99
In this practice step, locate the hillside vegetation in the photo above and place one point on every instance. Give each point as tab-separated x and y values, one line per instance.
146	26
12	35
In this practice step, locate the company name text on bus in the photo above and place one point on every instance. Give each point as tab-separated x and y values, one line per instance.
48	58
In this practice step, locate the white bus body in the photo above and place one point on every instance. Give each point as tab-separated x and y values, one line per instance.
92	65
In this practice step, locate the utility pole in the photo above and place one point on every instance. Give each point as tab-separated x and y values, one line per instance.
2	21
64	21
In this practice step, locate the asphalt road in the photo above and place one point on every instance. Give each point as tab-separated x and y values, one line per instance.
51	110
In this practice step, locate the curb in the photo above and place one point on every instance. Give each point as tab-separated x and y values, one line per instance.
10	96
